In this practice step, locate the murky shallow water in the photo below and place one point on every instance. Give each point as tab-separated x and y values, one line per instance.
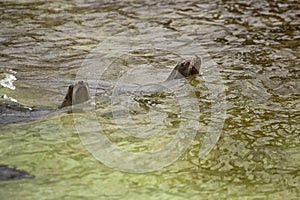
45	45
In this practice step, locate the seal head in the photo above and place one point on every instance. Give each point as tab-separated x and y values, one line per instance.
186	68
77	93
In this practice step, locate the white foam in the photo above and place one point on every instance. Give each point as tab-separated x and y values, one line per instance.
8	81
7	97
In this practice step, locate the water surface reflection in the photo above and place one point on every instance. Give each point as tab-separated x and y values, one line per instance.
256	47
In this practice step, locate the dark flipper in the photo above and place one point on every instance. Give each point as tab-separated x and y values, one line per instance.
11	173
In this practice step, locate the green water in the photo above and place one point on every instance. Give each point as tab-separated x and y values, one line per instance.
254	47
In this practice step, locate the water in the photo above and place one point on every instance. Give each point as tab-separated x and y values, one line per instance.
255	44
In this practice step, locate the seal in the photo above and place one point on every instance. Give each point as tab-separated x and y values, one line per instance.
13	112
